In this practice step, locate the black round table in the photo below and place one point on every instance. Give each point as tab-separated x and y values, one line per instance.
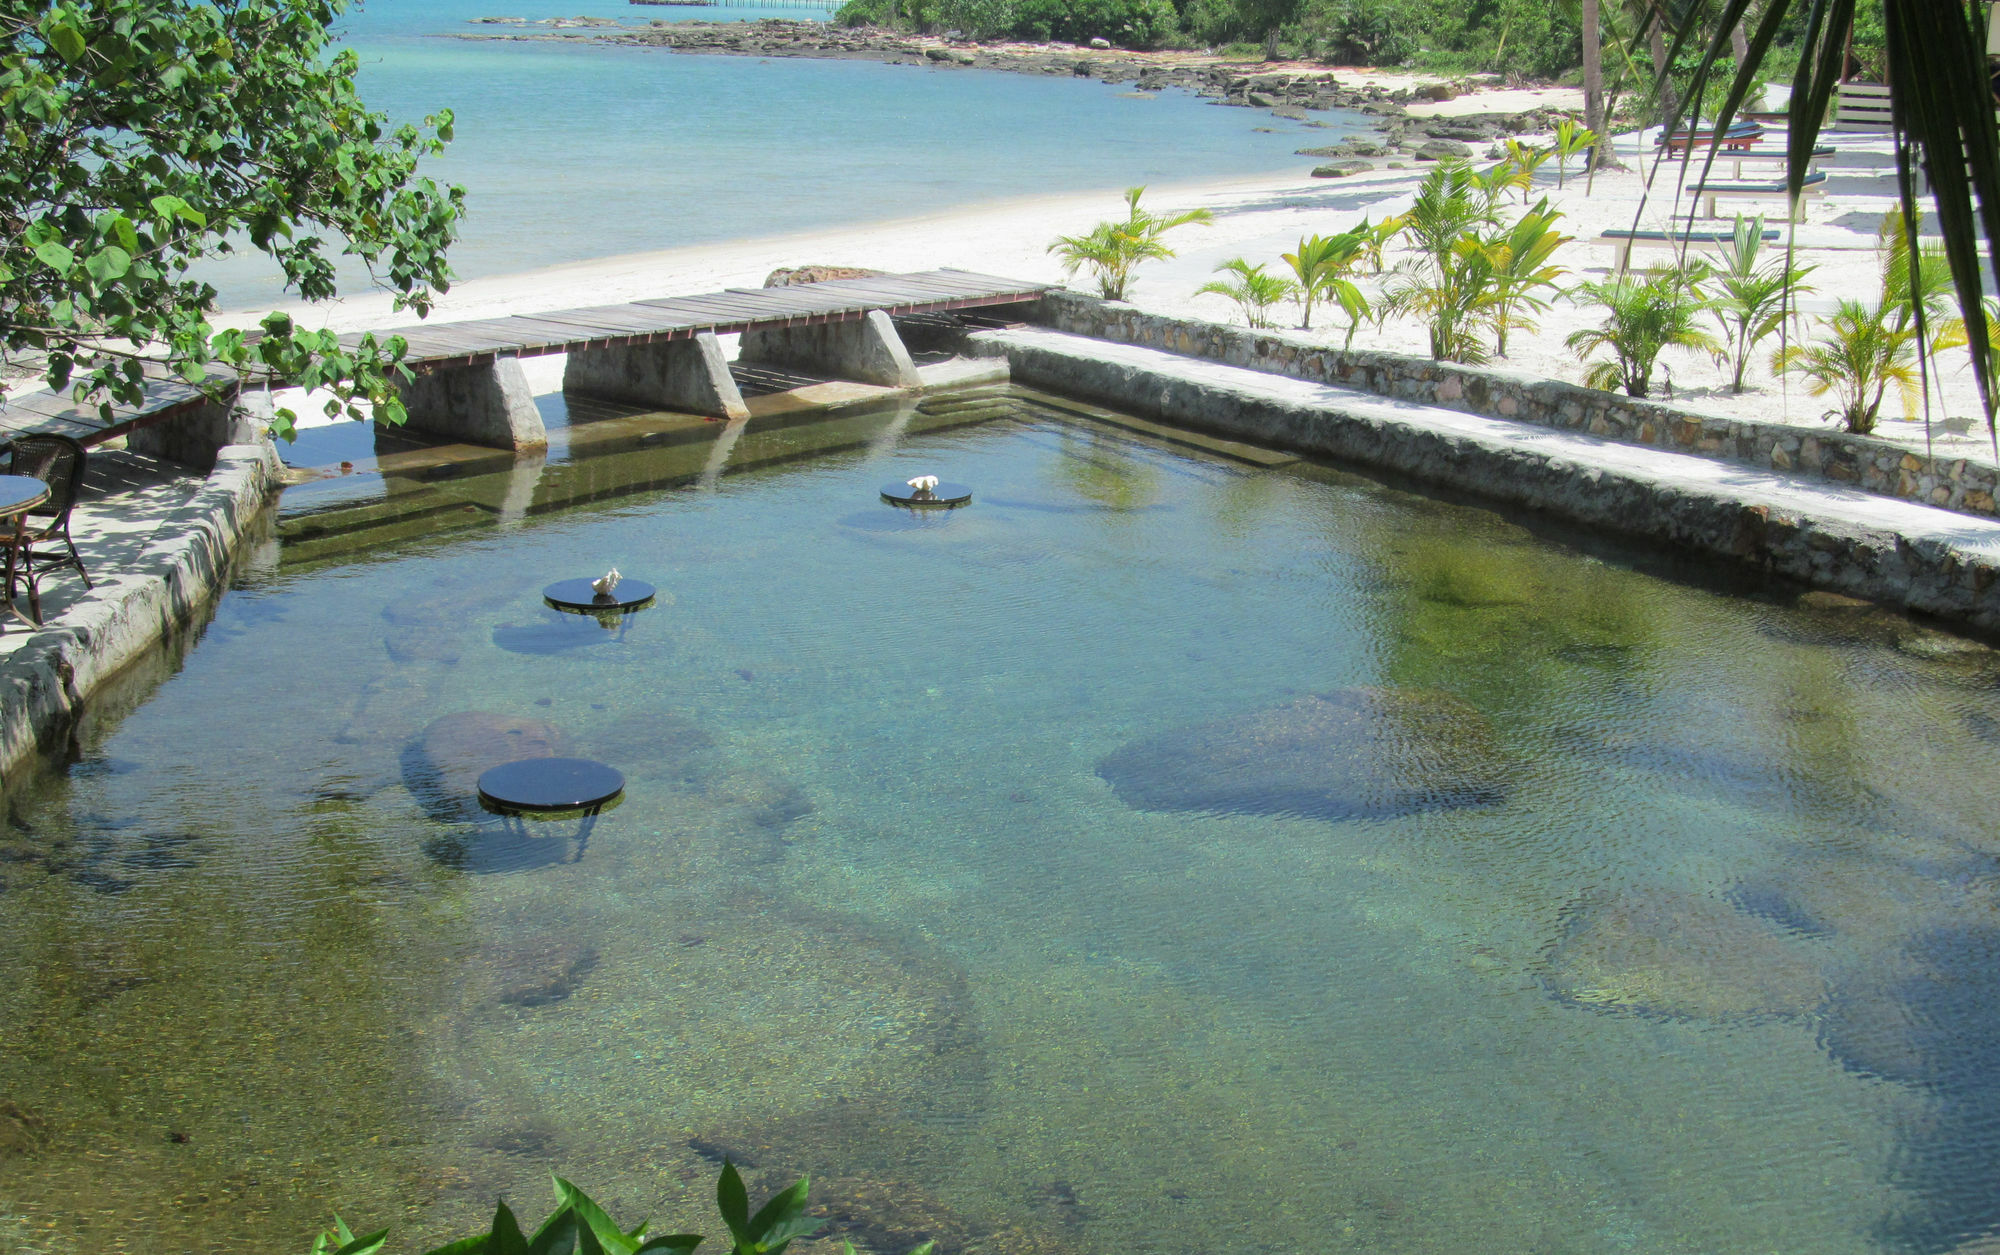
550	788
578	597
942	497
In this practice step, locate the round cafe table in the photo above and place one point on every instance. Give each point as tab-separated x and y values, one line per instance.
18	495
548	788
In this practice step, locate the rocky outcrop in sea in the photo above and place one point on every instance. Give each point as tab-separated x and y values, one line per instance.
1292	93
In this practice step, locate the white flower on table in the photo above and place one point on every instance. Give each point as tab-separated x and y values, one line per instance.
604	583
924	483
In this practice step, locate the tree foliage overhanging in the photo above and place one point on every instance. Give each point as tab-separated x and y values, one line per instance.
138	137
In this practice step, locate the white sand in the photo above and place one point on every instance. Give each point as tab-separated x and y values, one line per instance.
1259	219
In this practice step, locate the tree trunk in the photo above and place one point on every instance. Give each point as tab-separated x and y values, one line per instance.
1593	86
1656	41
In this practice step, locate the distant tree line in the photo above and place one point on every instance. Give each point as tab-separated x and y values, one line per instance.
1531	39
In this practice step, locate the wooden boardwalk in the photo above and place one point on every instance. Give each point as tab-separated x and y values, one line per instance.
683	317
434	346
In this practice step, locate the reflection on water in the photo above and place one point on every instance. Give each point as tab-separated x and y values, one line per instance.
1168	853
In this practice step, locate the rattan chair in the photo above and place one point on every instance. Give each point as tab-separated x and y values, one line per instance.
58	462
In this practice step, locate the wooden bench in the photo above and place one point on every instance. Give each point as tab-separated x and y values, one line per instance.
1756	190
1622	241
1774	157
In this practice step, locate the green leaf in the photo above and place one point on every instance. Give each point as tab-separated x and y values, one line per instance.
782	1210
733	1203
557	1236
54	255
64	37
677	1243
601	1227
365	1245
108	263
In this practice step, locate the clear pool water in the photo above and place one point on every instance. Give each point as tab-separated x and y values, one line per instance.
1705	964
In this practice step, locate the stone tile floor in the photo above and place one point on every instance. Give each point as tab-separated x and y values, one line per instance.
126	497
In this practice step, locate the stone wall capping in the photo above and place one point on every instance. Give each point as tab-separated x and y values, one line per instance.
1503	392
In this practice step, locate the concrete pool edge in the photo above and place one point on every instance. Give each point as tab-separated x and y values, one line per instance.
1917	558
47	682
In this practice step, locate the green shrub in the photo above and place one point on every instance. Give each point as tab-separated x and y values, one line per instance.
1131	23
579	1226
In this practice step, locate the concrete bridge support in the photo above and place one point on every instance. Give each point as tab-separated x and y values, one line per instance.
195	436
488	404
688	376
864	350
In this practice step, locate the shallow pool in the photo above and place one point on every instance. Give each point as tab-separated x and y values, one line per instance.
1178	850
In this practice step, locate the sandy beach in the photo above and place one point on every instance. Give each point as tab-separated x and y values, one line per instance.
1261	218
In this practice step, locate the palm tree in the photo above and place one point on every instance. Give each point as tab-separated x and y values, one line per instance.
1751	300
1456	295
1524	269
1593	72
1112	249
1321	265
1860	353
1253	291
1451	202
1530	161
1643	318
1942	120
1571	139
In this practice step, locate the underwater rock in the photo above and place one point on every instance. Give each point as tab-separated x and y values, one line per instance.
408	645
22	1132
1679	955
660	739
1929	1017
768	801
1830	619
536	971
441	767
1354	753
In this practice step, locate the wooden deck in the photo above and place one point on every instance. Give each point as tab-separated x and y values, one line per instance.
683	317
47	411
434	346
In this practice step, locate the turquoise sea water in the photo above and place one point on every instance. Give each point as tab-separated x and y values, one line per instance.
574	151
1682	940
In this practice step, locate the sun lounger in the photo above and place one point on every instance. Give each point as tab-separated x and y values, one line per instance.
1759	160
1861	107
1759	189
1739	137
1623	241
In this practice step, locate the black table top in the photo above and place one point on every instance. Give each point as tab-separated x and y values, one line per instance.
549	784
946	496
577	596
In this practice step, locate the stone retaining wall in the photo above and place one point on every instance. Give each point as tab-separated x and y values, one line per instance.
1927	573
1874	465
45	683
